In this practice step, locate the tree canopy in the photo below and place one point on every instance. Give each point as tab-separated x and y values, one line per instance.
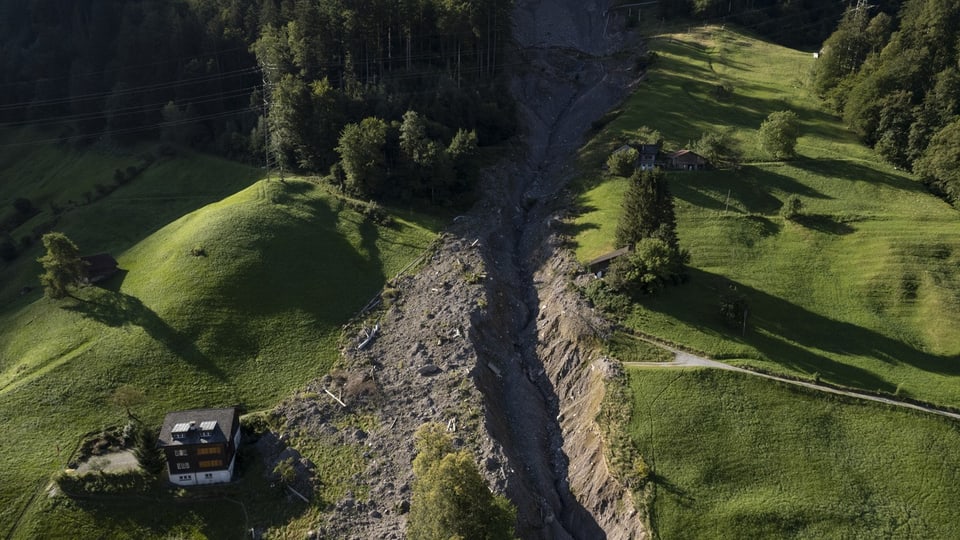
896	83
648	224
62	266
231	76
450	498
778	134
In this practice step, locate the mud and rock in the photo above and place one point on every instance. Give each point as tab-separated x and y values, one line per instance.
489	337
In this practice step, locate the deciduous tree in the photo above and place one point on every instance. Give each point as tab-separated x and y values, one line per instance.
450	498
361	150
779	133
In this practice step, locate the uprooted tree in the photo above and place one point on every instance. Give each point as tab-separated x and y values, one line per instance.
62	266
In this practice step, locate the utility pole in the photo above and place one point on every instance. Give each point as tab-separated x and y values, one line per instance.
860	18
268	140
266	120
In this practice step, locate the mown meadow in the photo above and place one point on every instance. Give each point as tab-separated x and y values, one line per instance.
861	290
735	456
233	290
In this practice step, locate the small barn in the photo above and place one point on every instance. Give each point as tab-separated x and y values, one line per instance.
686	160
99	267
601	263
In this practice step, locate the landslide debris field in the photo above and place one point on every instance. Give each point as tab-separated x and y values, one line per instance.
484	338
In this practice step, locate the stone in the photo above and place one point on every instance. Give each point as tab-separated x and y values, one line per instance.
429	369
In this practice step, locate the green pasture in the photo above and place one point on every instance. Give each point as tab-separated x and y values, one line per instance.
861	290
232	291
828	467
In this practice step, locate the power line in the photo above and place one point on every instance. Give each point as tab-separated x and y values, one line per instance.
129	91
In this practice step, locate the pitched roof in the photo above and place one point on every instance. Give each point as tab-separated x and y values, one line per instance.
100	266
198	426
684	152
649	149
607	257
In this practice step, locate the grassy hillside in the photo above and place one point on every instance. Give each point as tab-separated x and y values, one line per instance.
827	468
862	290
285	265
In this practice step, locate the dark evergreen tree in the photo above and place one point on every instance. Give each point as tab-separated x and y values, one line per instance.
648	225
647	211
62	266
145	449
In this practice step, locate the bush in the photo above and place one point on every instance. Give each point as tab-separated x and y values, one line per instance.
792	208
778	134
623	161
734	309
606	298
101	483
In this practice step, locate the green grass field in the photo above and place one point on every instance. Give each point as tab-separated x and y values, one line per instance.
828	467
285	266
863	290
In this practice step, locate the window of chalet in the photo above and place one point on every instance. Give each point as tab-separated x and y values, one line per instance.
183	465
206	450
211	463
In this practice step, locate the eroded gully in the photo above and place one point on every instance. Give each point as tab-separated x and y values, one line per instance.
569	76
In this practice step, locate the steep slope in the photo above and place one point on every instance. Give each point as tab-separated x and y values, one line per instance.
238	302
487	337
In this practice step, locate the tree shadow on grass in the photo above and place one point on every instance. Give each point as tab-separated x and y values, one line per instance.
682	496
794	337
854	171
117	309
824	223
746	190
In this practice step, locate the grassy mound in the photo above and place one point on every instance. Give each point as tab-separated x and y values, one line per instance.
827	468
862	289
232	291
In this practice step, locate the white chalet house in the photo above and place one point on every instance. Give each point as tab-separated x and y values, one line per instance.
200	445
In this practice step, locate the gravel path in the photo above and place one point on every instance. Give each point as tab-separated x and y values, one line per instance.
684	359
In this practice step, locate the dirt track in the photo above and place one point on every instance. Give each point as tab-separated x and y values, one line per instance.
684	359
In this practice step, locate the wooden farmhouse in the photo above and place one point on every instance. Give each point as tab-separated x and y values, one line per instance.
200	445
99	267
649	157
685	160
601	263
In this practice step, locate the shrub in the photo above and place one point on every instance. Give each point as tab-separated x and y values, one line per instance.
734	309
623	162
792	208
778	134
606	298
121	482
